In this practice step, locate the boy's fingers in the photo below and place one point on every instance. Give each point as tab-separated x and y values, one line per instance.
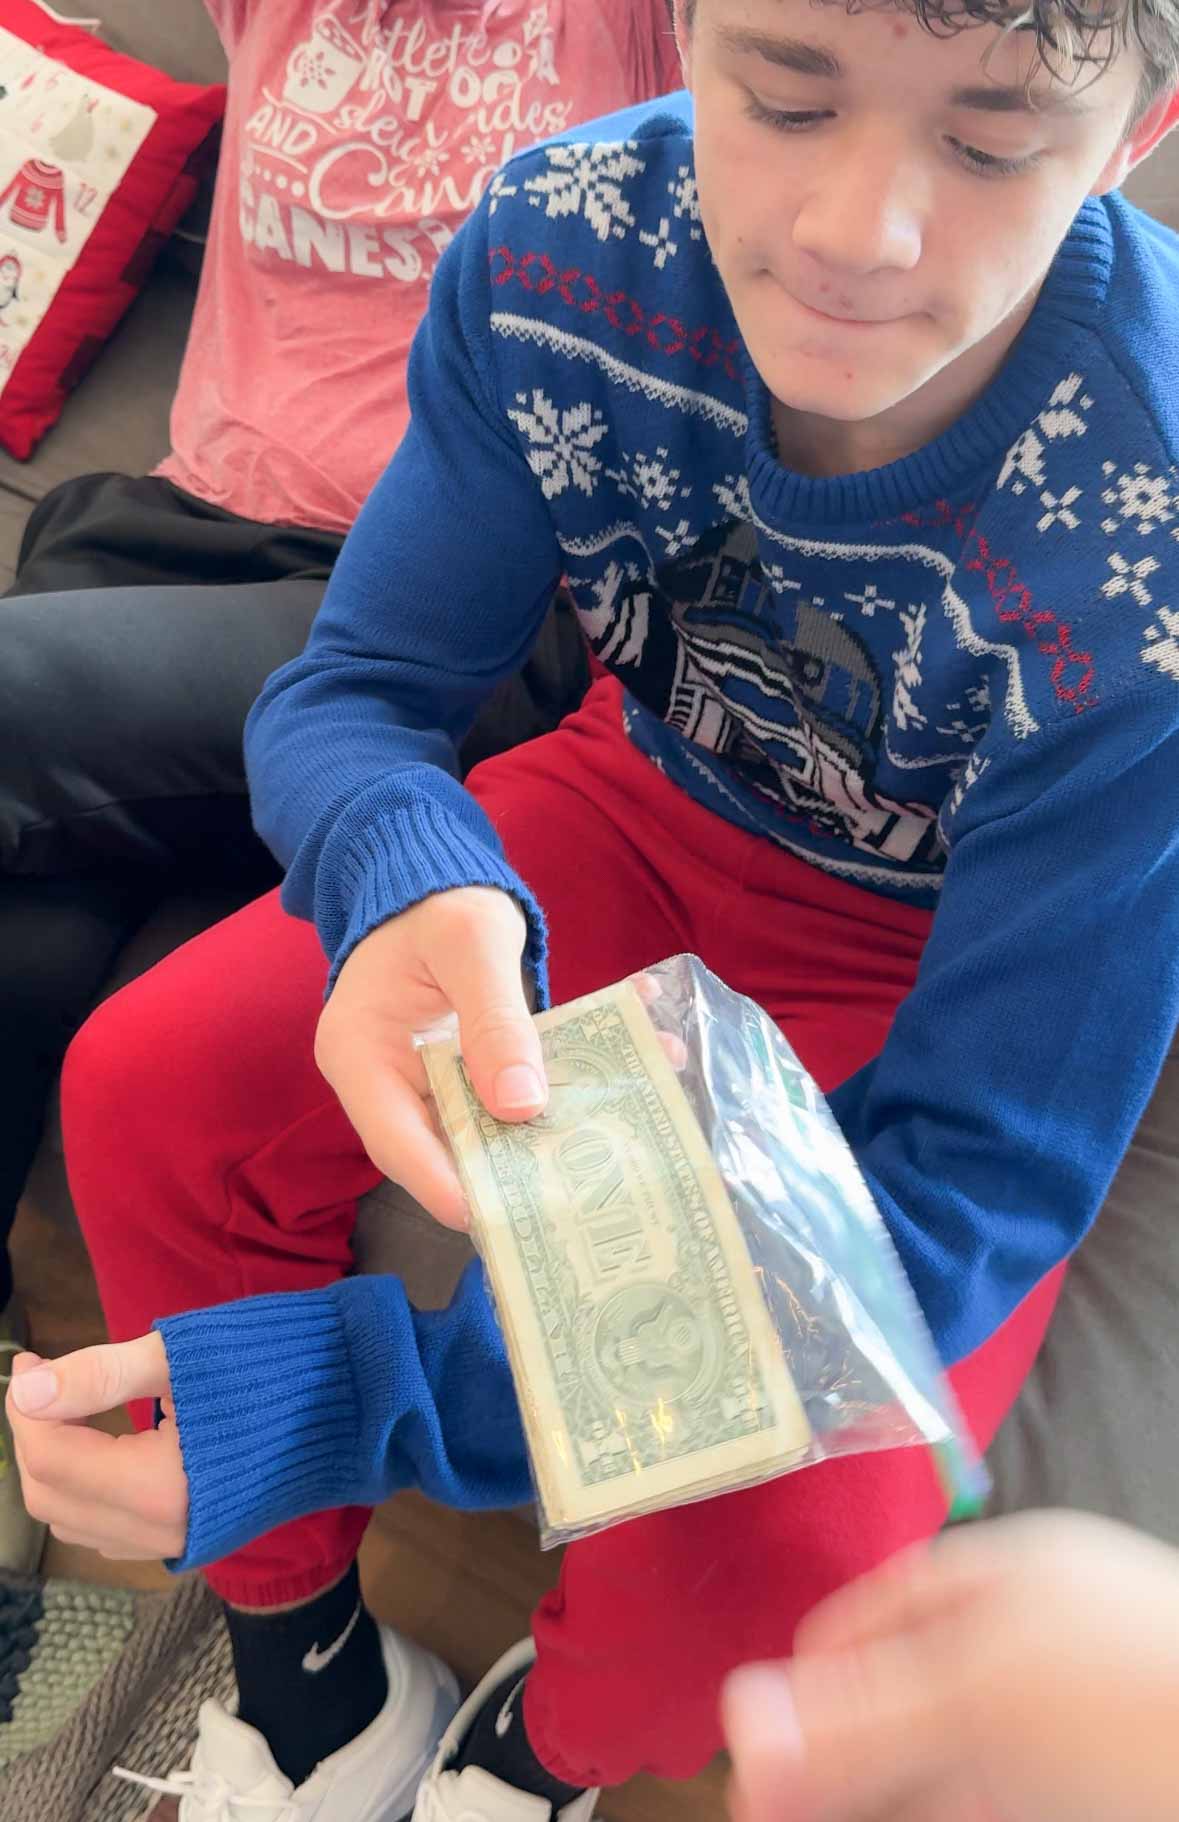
481	979
142	1474
395	1127
674	1049
91	1381
97	1527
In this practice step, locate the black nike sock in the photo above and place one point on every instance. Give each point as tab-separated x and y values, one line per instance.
309	1679
497	1742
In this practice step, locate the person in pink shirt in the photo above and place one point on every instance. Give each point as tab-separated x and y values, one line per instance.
149	610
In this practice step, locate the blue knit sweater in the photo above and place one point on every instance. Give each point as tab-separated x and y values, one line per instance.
954	680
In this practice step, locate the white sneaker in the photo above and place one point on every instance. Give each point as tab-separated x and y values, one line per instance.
373	1779
473	1795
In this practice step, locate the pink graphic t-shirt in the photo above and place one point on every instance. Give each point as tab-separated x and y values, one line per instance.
359	135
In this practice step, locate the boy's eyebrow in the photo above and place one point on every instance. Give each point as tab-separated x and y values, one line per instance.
994	98
788	53
813	60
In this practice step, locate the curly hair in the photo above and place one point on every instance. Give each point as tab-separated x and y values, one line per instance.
1070	35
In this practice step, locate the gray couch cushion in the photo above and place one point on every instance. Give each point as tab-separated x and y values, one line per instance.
394	1234
1098	1423
177	35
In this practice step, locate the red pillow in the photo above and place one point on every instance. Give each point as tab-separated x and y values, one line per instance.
100	156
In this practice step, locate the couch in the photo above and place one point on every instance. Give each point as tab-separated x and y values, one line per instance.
1098	1424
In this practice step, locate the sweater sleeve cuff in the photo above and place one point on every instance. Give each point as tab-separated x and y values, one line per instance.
298	1403
453	1428
372	870
267	1415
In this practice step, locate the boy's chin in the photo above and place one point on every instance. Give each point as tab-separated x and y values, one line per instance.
848	390
840	397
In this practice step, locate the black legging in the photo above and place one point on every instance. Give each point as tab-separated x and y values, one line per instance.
141	627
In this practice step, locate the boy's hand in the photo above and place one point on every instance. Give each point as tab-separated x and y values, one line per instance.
125	1496
1021	1671
460	952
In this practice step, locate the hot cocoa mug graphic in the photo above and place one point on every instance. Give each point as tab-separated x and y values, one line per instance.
322	71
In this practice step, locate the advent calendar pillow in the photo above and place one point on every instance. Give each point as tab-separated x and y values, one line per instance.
100	156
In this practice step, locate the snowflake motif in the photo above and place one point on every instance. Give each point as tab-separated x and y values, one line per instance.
685	198
677	538
776	576
536	23
869	601
500	188
480	149
733	496
1059	511
649	479
1129	578
1142	497
588	180
1161	650
662	246
561	442
427	160
907	662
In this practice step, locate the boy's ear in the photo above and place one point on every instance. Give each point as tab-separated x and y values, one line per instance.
1140	141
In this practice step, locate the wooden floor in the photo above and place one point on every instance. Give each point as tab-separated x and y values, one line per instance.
463	1585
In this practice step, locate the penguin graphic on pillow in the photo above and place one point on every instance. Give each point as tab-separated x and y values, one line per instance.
10	271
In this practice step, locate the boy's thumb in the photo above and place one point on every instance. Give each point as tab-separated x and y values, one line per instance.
91	1381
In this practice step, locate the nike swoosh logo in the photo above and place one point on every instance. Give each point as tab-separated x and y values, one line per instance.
503	1719
317	1660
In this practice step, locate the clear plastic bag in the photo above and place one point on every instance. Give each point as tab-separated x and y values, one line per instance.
696	1289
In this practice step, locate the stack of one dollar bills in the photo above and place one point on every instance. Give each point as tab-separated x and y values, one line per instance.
646	1364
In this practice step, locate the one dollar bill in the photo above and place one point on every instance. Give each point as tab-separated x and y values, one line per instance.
647	1367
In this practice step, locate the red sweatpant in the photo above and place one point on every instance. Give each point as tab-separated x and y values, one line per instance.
209	1161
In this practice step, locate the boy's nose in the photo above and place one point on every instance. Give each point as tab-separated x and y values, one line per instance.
866	218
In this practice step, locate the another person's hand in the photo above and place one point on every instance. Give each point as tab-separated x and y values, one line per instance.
457	951
125	1496
1025	1670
